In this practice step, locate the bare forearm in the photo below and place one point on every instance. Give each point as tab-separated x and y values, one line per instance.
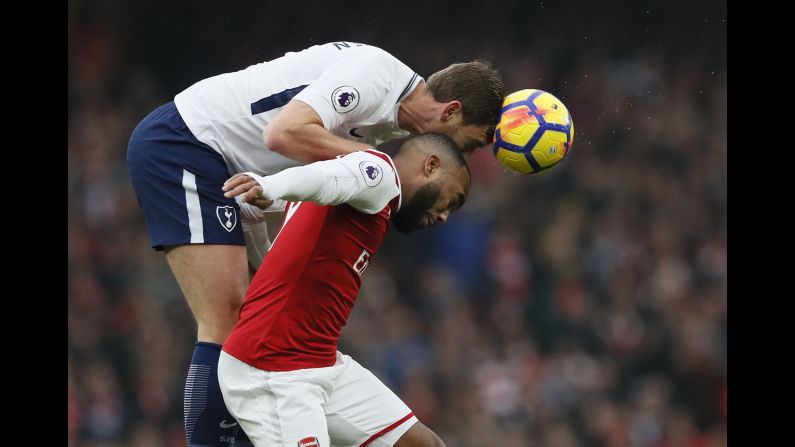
311	142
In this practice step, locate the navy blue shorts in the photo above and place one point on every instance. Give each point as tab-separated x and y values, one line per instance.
178	181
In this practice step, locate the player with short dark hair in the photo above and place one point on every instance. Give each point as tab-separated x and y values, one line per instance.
280	372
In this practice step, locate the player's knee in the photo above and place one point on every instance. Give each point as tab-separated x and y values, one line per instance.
234	302
215	332
429	441
420	436
228	311
436	442
216	325
224	308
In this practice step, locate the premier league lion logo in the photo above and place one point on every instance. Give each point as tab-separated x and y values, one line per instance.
346	98
372	172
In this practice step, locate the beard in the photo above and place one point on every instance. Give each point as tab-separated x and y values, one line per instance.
414	211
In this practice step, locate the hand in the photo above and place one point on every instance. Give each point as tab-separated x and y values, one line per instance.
261	203
247	188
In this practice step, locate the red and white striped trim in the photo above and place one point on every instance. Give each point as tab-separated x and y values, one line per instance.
387	429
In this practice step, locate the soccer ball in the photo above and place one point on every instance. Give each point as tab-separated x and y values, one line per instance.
534	133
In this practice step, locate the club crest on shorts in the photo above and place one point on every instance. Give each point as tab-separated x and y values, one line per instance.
372	173
309	442
345	98
227	216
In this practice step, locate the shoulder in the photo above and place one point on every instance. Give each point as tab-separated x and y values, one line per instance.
372	165
377	177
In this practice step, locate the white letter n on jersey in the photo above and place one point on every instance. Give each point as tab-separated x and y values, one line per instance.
362	263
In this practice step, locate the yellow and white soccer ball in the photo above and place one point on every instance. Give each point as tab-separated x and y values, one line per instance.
534	133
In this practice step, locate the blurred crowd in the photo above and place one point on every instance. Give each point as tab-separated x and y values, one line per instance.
584	306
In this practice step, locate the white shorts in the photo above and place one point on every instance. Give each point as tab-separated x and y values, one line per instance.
341	405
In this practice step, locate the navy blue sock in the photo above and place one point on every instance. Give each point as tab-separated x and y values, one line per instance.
207	421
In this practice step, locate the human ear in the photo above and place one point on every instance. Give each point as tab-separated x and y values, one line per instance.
432	165
451	109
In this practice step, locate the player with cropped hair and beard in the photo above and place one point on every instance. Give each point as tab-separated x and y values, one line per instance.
281	375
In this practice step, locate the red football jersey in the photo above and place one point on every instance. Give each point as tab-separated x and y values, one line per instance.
302	294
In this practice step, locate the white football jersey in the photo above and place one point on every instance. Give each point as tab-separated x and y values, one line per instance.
355	88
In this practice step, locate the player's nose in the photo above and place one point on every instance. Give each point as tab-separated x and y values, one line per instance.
442	217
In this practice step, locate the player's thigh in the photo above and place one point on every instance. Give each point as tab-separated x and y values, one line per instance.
177	180
276	408
362	409
212	277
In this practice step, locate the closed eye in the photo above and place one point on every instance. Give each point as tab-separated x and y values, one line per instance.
456	203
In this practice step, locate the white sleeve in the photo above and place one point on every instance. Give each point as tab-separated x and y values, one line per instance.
252	214
351	88
362	180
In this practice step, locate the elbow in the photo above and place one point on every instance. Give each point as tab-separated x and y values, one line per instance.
276	138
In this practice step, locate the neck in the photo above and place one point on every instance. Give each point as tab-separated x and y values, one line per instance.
417	110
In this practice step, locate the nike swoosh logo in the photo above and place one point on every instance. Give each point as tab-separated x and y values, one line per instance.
354	134
225	425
